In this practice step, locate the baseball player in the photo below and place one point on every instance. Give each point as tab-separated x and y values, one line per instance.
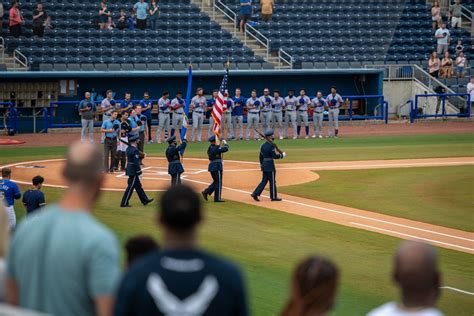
238	114
107	106
266	109
127	104
164	110
267	164
253	114
134	172
10	192
175	168
227	119
147	108
142	128
334	101
302	115
214	152
177	106
290	113
87	111
198	107
110	128
278	103
210	106
318	104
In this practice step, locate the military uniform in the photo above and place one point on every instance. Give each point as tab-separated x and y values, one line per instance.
133	172
214	153
175	167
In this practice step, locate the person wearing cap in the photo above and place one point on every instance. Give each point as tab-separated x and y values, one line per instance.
177	106
277	116
134	172
198	107
175	167
253	107
268	154
302	114
210	106
318	105
164	109
266	109
290	113
214	152
110	128
334	101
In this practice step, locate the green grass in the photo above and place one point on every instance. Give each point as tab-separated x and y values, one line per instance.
436	195
342	149
267	244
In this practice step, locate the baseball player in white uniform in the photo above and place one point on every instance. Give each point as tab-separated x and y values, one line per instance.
253	115
164	111
318	104
278	103
266	109
302	114
334	101
227	119
198	107
290	113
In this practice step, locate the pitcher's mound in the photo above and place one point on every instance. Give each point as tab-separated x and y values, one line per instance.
9	141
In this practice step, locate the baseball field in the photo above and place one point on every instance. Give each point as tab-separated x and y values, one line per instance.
352	199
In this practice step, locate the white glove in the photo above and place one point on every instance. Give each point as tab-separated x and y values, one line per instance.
224	142
284	155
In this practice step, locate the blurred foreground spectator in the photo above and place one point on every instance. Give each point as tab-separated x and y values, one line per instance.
139	246
33	199
61	260
416	274
182	279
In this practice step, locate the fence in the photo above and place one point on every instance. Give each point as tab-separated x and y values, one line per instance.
379	110
441	102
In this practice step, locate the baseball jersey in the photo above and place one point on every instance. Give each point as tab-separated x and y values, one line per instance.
303	102
106	103
133	124
291	103
229	106
126	103
254	102
164	105
176	102
334	101
10	191
238	110
266	103
33	200
318	104
111	124
144	103
278	104
199	104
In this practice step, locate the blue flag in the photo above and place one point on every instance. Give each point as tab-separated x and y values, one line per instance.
187	103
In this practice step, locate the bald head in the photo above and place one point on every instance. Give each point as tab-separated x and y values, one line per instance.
416	273
83	164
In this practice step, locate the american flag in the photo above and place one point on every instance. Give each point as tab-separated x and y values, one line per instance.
218	108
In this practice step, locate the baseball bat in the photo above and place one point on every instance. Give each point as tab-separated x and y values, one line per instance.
272	142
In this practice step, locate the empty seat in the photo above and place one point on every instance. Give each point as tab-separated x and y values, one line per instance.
114	67
255	66
319	65
60	67
101	67
141	67
87	67
73	67
243	66
307	65
3	67
127	67
268	66
46	67
153	67
217	66
331	65
205	66
166	67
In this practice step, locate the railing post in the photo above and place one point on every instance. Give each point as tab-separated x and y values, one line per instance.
415	111
45	120
350	109
214	9
385	110
443	109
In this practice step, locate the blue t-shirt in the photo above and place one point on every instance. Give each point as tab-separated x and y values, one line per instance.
246	9
142	10
10	191
109	124
33	200
238	110
144	103
124	104
133	124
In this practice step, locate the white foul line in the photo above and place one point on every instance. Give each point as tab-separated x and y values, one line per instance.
456	290
412	236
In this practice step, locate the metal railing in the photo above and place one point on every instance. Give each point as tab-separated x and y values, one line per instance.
18	57
225	10
284	56
441	105
258	36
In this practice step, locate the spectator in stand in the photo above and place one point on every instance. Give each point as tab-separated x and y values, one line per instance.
446	66
141	9
4	241
434	64
122	21
238	114
104	15
139	246
245	13
416	274
470	90
16	20
10	192
455	12
33	199
459	46
40	20
181	279
2	13
154	13
313	288
435	15
443	38
87	111
132	20
267	9
73	264
460	64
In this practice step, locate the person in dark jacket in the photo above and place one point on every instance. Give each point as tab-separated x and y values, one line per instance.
214	153
268	154
175	168
134	172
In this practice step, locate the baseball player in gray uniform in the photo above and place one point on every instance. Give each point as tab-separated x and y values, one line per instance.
253	106
198	107
210	106
266	109
302	112
177	106
334	101
164	111
318	104
290	114
227	119
278	103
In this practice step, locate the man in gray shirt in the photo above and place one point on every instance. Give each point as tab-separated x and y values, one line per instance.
87	111
455	12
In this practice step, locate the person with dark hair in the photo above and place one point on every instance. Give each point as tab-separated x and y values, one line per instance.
40	20
127	104
147	108
122	143
141	9
87	111
238	114
164	118
214	152
198	107
278	103
334	101
181	279
253	115
111	129
245	13
10	192
139	246
33	199
210	106
122	20
266	109
173	155
302	112
313	288
107	106
177	106
104	15
417	275
73	261
318	104
290	113
16	20
142	129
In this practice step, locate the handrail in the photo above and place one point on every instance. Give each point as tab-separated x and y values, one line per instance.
265	41
232	16
17	56
466	13
281	54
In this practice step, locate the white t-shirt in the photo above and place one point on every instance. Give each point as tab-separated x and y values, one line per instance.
393	309
470	90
